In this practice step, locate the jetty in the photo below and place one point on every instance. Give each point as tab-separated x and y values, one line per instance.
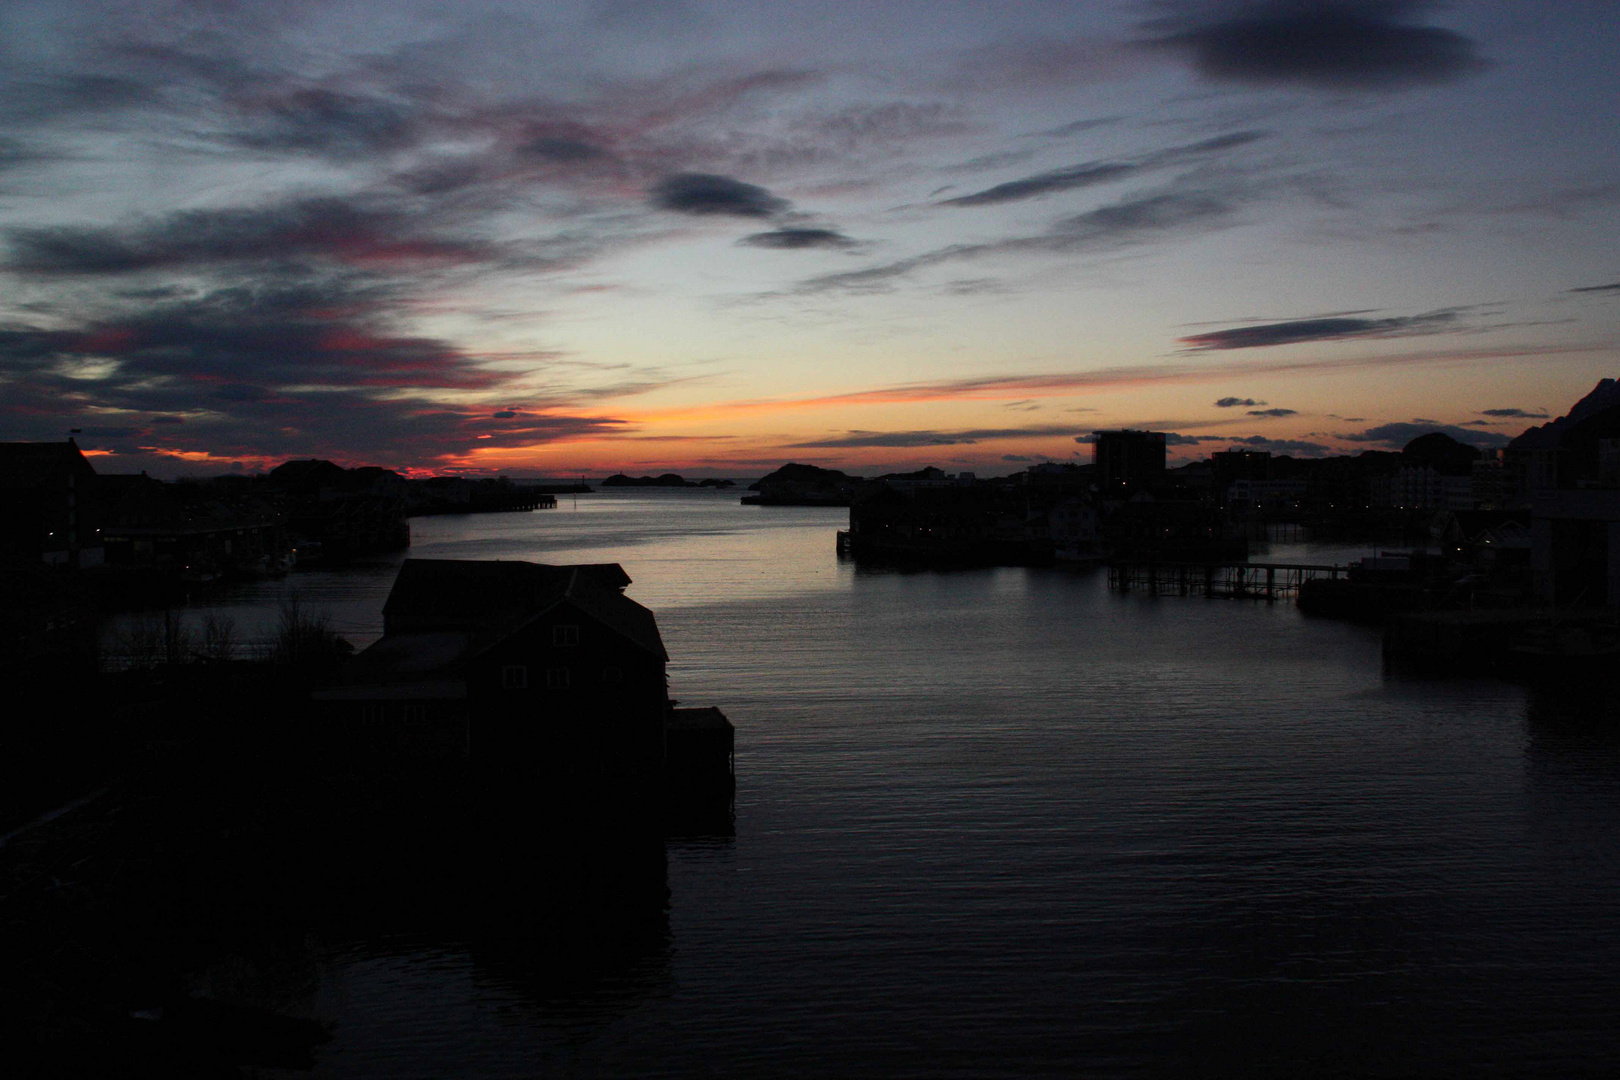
1258	581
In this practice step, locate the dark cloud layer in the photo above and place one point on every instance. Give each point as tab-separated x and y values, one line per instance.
1098	172
899	439
1327	44
1515	414
794	239
286	365
330	123
1291	447
1136	219
1234	402
708	193
1296	331
1171	438
1398	435
1599	288
352	230
1273	412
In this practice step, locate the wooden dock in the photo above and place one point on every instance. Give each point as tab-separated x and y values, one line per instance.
1259	581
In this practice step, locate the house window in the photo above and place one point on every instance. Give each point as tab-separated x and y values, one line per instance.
557	678
415	714
565	634
613	675
514	677
371	714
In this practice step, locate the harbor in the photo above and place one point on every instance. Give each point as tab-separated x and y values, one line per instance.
1235	580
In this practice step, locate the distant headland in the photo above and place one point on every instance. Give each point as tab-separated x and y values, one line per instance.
666	480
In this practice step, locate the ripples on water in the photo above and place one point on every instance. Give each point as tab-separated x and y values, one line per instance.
1005	823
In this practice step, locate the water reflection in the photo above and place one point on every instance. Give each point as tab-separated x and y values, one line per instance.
995	822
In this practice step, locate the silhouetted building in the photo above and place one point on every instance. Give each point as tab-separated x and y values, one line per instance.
1053	480
48	506
545	672
979	525
1575	548
1230	466
1422	487
1128	459
1147	528
1075	537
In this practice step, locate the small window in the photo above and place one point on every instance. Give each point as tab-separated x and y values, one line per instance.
371	714
415	714
514	677
612	675
565	634
557	678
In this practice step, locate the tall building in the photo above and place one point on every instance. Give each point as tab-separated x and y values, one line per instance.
1128	459
48	505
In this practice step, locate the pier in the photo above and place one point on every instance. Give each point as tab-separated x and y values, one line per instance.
1259	581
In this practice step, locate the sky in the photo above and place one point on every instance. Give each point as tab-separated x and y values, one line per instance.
576	238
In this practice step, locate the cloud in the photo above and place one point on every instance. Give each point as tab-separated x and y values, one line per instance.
268	333
1011	387
288	365
1322	44
896	439
794	239
354	231
1297	331
14	153
63	97
1092	173
1291	447
1273	412
1398	435
1599	288
1077	176
331	123
709	193
1171	438
1076	127
1234	402
985	162
1137	219
1514	414
564	150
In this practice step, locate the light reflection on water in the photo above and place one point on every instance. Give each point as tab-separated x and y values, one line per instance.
1003	822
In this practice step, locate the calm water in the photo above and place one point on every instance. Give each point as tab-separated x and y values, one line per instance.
1005	823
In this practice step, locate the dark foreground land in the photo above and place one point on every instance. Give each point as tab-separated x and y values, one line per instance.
172	922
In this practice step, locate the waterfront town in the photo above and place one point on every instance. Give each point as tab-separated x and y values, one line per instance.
1506	561
1532	526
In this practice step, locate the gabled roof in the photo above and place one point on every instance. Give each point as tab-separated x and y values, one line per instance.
494	599
488	591
617	612
27	464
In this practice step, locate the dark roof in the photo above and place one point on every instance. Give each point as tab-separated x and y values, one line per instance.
617	612
413	654
500	596
26	464
488	590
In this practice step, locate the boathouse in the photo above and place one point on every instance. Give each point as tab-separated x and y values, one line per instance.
517	665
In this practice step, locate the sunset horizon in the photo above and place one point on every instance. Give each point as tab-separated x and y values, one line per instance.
629	237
